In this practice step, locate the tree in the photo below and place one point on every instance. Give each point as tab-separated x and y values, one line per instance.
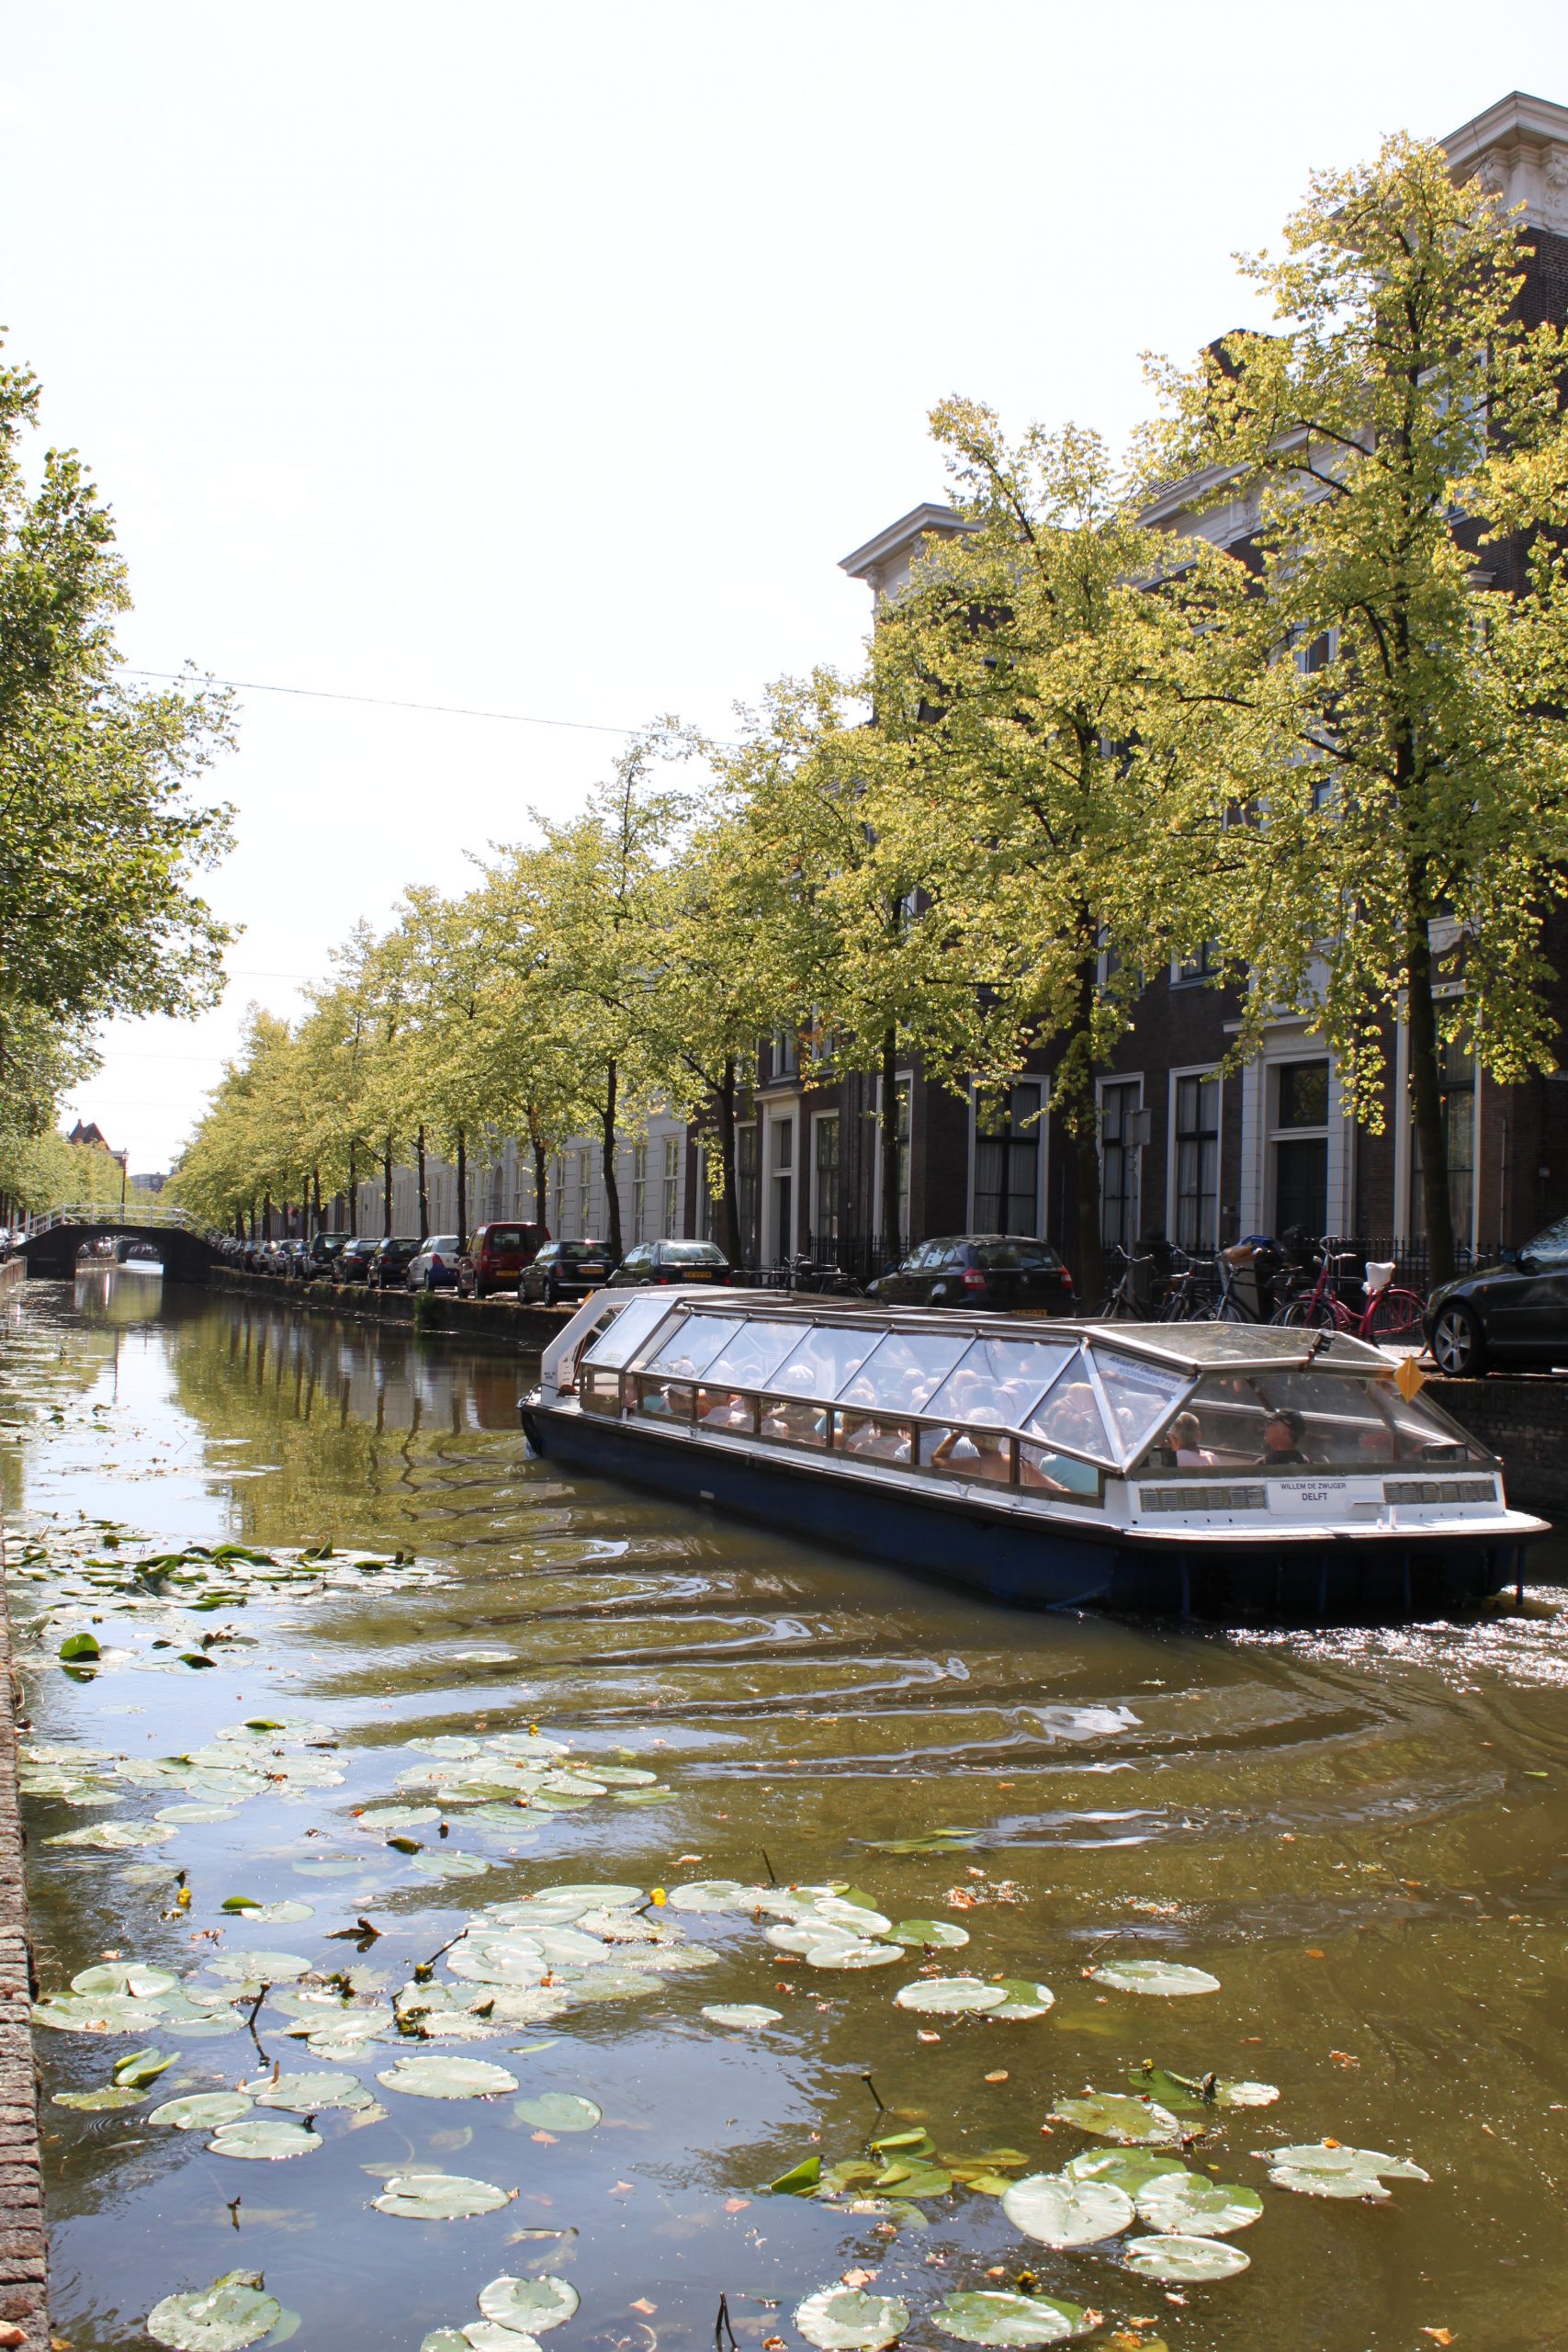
99	839
1400	442
1065	720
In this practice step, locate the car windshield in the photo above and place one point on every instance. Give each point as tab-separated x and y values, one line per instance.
442	1241
1550	1248
691	1253
1009	1255
576	1253
504	1237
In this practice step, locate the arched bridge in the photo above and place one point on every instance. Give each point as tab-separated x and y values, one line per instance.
55	1237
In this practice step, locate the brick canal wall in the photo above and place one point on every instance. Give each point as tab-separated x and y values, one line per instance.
1523	1418
439	1311
23	2272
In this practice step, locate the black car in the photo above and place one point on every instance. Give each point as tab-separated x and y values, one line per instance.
564	1269
321	1259
670	1261
353	1259
1006	1272
391	1260
1514	1312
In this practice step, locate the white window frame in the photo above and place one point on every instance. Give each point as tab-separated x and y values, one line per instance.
1119	1079
1208	1070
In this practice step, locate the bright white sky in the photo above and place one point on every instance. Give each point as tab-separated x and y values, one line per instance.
546	359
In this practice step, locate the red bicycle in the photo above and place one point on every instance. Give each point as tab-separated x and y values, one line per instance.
1390	1312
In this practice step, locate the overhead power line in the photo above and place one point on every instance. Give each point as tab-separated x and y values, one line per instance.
388	702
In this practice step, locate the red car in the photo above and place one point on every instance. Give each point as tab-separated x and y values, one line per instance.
496	1255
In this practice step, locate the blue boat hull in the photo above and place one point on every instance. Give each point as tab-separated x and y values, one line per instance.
1046	1564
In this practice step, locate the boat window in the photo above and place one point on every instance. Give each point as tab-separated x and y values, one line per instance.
636	1322
1304	1421
1139	1393
822	1359
1040	1470
874	1438
666	1400
967	1454
906	1369
754	1354
600	1392
691	1346
789	1422
1069	1416
999	1381
726	1408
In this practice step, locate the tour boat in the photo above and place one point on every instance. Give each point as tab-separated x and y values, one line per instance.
1225	1469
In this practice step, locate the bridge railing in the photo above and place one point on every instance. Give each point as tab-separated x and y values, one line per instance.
108	1217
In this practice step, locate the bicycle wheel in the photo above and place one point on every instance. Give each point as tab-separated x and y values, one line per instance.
1306	1313
1398	1315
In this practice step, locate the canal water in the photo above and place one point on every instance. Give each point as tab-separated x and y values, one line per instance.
394	1716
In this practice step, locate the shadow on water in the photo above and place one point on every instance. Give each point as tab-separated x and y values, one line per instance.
1361	1834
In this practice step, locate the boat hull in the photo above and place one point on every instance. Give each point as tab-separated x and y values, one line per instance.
1048	1563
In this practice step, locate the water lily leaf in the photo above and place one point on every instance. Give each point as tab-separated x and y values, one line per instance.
1320	2170
795	1937
75	1647
450	1865
428	2196
800	2180
1025	1999
116	1836
202	2112
839	1954
950	1995
741	2013
311	2093
1185	2261
485	2335
1168	1978
97	2013
263	2143
1059	2211
841	2319
139	2068
934	1842
133	1982
1191	2206
434	2076
529	2305
934	1934
445	2339
559	2111
624	1776
398	1816
918	2140
180	1814
444	1745
1002	2318
284	1913
1129	2169
241	1903
225	2317
911	2178
1115	2115
107	2095
260	1967
715	1894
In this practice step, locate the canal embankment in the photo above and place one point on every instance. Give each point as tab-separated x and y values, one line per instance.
508	1320
23	2269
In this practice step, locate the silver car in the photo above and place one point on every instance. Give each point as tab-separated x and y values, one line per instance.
436	1267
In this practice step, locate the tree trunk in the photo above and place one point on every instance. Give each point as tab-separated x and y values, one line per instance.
729	1149
892	1241
462	1188
1084	1245
424	1190
541	1174
266	1215
611	1188
387	1189
239	1225
316	1198
1425	1094
353	1188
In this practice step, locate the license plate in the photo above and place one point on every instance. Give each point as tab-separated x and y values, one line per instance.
590	1273
698	1274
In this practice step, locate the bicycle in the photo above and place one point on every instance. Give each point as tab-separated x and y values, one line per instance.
1123	1304
1390	1312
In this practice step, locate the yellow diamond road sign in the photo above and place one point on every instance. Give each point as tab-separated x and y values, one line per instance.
1409	1378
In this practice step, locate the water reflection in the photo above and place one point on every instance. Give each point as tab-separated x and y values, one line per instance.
106	1292
1362	1835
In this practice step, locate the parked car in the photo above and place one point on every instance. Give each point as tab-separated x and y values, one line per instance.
670	1261
1514	1312
322	1257
1006	1273
565	1270
391	1260
436	1267
353	1258
496	1255
290	1261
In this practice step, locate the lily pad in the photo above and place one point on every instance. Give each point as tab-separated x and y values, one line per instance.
1325	2169
313	2093
715	1894
202	2112
260	1967
1116	2115
445	2339
263	2143
225	2317
559	2111
841	2319
1059	2211
429	2195
936	1935
529	2305
741	2013
285	1913
1003	2318
95	2013
133	1982
837	1954
398	1816
1187	2205
1025	1999
116	1836
1185	2261
449	1865
950	1997
1168	1978
487	2336
108	2095
434	2076
1129	2169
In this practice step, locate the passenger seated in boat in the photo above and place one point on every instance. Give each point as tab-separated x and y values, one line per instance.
971	1453
1283	1433
1072	1418
801	1423
725	1412
881	1442
1187	1441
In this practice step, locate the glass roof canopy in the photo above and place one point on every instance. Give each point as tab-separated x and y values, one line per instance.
1102	1393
